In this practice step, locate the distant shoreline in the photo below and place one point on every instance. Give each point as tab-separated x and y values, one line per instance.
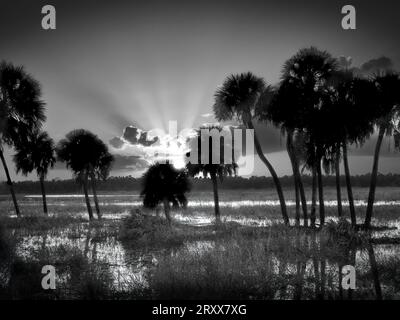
129	185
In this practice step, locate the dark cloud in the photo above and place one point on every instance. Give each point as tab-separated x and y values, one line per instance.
371	67
133	136
389	147
374	65
136	136
116	142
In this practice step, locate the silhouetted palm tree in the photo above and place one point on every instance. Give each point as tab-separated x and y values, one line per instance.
37	152
163	184
388	88
282	112
87	156
339	84
214	171
237	99
304	77
21	111
356	99
298	148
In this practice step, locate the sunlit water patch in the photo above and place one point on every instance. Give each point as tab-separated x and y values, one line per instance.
119	200
109	253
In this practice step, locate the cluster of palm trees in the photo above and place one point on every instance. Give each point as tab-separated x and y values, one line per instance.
319	107
22	114
322	109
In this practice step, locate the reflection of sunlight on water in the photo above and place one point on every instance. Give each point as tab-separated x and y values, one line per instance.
197	218
108	252
130	268
73	196
204	203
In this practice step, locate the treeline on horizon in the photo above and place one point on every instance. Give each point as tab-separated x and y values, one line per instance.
129	183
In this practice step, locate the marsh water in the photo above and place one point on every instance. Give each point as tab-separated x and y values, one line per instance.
129	267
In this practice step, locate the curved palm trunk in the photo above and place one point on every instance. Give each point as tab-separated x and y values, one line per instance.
167	210
9	183
296	184
216	198
297	177
94	189
374	174
349	188
273	174
85	190
313	196
43	194
338	190
297	196
320	195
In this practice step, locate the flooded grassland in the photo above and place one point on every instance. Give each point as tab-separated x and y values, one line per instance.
133	254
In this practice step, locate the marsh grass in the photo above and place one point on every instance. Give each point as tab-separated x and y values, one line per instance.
247	263
76	276
242	258
41	223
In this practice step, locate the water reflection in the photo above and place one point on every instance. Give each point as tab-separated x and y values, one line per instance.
299	266
127	200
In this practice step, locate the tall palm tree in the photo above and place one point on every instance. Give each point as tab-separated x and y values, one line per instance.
21	111
36	153
88	157
237	99
282	110
356	99
305	76
388	88
298	148
163	184
214	171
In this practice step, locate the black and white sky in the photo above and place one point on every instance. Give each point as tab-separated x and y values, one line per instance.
110	65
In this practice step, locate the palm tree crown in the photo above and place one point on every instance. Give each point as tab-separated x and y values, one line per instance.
83	151
238	96
22	110
87	156
36	153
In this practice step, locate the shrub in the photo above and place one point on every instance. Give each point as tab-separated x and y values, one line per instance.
148	229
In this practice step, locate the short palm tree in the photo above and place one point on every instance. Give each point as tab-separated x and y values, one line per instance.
388	88
163	184
237	99
36	153
21	111
88	157
209	169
